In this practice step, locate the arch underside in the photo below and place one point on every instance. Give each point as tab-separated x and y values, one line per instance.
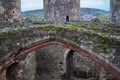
54	41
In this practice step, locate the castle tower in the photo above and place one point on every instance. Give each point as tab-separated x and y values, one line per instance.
62	10
10	11
115	11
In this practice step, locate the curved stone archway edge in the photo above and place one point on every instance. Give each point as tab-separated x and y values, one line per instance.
55	41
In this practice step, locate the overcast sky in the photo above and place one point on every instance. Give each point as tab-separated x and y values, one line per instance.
38	4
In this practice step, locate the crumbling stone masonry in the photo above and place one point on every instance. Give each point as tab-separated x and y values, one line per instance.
10	11
115	11
62	10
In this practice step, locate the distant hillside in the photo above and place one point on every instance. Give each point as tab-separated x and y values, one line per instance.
93	11
39	12
35	13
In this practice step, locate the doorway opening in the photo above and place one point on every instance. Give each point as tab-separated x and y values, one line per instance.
67	18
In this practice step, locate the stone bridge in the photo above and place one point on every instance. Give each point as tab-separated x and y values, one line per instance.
100	47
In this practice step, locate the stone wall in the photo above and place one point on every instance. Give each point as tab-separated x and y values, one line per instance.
3	76
49	63
29	70
25	69
62	10
115	11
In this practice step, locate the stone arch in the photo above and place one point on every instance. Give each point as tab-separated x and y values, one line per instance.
79	49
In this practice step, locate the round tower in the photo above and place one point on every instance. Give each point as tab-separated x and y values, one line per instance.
11	10
115	11
62	10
